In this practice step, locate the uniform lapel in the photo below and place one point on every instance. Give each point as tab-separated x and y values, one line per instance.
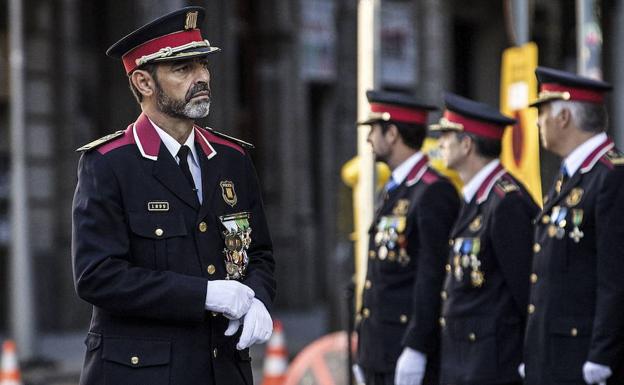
167	171
467	213
210	172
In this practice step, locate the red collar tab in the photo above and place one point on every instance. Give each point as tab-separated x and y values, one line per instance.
146	137
573	93
401	114
475	126
205	145
417	171
595	155
164	43
488	183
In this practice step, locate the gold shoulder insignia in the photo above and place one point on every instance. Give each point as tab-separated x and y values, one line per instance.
507	186
228	137
615	157
102	140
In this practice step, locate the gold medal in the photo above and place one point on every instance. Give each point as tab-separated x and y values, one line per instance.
475	225
545	219
476	276
401	207
552	230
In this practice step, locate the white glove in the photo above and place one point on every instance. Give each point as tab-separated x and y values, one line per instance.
257	326
410	368
595	373
521	370
231	298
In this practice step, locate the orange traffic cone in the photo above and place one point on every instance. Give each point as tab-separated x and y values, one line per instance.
276	358
9	371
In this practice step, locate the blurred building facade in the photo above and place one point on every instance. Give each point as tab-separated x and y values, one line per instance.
286	81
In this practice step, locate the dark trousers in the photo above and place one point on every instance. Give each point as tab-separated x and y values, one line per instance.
379	378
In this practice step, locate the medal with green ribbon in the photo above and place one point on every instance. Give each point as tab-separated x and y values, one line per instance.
237	240
577	217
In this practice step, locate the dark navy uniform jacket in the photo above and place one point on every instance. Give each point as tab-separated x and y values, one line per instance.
401	299
487	284
576	309
143	250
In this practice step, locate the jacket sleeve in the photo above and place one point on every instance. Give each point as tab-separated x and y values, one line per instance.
512	239
103	274
436	212
607	342
259	275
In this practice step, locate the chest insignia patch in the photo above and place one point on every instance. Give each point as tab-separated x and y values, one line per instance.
158	206
574	197
476	224
228	193
401	207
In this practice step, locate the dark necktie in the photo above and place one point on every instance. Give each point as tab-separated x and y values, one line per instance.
183	156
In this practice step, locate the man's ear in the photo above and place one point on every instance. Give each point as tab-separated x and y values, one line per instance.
143	82
392	134
564	117
466	144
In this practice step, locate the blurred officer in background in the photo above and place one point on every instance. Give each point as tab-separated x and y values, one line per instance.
163	214
576	319
398	331
487	274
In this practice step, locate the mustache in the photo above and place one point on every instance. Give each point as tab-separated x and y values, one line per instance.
197	88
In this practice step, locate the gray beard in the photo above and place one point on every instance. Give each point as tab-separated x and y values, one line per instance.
181	109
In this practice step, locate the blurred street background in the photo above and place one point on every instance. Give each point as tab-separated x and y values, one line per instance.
286	80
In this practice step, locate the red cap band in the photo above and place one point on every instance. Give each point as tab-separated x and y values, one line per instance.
401	114
172	40
477	127
580	94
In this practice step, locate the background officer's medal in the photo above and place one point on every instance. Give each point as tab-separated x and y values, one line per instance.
228	193
475	225
400	208
237	240
574	197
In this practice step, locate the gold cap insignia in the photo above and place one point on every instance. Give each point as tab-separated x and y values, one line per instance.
574	197
228	193
191	20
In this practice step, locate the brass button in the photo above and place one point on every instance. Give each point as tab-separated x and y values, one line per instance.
442	322
134	360
451	242
211	269
531	308
443	295
447	268
368	284
215	352
159	232
203	227
574	332
372	254
533	278
403	318
472	337
545	219
214	314
365	313
537	247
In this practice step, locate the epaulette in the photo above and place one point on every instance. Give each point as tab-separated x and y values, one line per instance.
99	142
228	137
506	186
615	157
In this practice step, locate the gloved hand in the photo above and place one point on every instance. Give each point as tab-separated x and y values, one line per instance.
521	370
410	368
231	298
595	373
257	326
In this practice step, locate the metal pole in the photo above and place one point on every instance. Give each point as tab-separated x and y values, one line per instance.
521	21
588	39
20	278
367	53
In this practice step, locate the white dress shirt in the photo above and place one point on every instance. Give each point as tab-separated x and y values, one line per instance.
573	161
400	173
471	188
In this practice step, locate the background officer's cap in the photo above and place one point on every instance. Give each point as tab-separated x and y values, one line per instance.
561	85
174	36
465	115
397	107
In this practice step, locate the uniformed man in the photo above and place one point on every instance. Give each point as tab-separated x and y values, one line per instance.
487	273
408	240
575	324
170	243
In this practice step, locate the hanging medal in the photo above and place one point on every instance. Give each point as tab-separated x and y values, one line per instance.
577	217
